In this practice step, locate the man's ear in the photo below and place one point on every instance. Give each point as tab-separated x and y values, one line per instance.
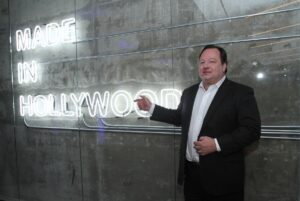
224	68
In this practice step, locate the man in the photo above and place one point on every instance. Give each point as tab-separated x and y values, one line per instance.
219	118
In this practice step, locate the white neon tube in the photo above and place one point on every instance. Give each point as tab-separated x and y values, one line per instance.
121	108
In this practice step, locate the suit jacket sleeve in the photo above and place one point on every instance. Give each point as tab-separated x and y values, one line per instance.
170	116
248	123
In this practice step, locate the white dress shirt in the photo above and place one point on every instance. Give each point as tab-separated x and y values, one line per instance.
202	102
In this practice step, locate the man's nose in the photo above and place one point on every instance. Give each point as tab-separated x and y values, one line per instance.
205	65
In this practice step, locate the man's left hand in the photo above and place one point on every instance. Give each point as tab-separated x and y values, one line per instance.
205	145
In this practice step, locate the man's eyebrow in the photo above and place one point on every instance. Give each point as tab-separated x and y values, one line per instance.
208	59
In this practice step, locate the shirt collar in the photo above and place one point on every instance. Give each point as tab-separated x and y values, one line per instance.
218	84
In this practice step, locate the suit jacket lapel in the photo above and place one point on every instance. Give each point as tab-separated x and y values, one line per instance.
221	93
190	102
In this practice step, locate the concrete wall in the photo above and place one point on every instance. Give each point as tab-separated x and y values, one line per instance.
8	162
133	45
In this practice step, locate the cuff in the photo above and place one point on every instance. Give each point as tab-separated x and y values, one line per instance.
151	109
217	145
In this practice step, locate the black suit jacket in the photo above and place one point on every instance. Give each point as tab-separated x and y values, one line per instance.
233	119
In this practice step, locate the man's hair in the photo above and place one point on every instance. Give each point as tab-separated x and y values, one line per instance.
223	54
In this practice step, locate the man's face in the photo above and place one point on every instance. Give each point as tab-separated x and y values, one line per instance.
211	70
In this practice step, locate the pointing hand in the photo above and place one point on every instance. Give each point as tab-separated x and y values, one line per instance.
143	103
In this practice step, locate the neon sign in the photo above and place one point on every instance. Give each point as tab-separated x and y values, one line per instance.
27	72
117	104
52	34
98	104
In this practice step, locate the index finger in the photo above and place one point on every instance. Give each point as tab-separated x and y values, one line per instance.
141	98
